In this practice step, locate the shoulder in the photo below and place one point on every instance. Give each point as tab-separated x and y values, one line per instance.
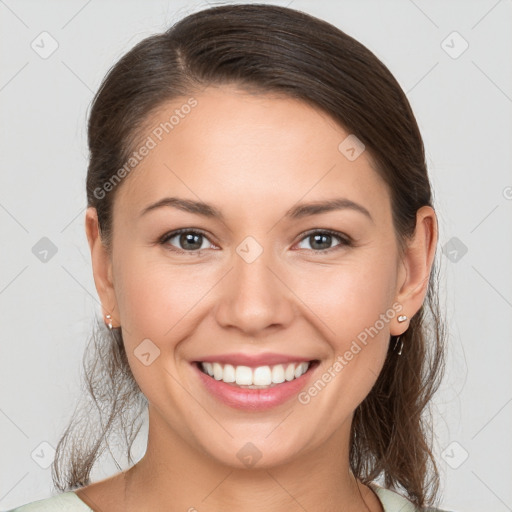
65	502
394	502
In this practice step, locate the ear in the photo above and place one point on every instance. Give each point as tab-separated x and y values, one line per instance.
415	267
101	266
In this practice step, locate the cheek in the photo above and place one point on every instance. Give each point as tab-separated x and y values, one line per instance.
351	297
139	291
159	300
353	306
156	302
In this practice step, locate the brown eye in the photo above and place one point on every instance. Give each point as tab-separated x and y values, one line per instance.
322	241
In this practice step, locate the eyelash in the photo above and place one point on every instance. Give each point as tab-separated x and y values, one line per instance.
344	240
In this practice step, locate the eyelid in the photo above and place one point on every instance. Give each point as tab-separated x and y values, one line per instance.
171	234
345	240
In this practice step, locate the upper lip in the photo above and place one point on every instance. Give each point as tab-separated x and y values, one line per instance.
253	360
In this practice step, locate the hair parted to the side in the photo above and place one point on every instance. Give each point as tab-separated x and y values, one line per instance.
270	49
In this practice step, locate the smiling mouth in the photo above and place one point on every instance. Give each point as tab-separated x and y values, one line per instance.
261	377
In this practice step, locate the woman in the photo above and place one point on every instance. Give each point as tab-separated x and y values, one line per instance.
263	239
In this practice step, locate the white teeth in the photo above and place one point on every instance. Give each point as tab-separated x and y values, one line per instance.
262	376
278	374
217	371
243	375
290	372
208	368
229	374
302	368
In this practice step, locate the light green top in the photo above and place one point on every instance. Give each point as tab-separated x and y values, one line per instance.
70	502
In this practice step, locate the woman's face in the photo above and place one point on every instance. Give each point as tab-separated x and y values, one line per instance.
268	286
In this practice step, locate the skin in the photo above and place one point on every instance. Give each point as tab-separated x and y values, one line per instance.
253	157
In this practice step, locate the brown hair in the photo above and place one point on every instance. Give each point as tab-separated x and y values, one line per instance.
270	49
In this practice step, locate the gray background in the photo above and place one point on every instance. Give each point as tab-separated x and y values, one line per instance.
463	105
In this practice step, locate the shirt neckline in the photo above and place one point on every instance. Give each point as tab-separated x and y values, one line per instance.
385	496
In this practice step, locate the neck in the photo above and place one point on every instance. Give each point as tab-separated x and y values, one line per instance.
175	473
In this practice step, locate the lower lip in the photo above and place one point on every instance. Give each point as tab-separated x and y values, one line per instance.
254	399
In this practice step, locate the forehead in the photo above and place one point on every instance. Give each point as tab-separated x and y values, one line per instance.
227	144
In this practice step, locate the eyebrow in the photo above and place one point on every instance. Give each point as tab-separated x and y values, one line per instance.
296	212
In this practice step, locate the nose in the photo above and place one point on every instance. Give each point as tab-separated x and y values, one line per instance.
254	297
